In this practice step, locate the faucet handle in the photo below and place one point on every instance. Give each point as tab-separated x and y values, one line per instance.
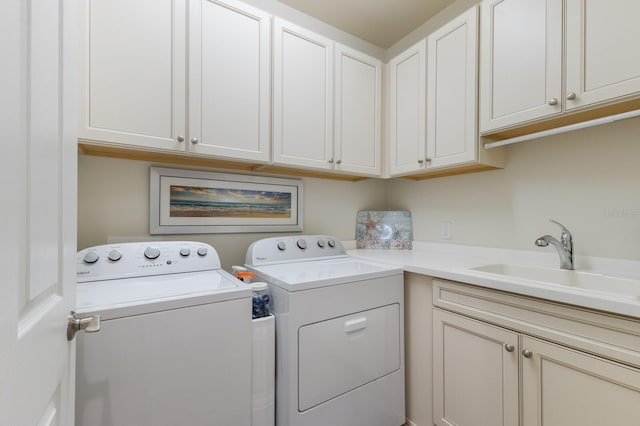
566	235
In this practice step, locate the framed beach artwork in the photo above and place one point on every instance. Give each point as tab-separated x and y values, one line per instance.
199	202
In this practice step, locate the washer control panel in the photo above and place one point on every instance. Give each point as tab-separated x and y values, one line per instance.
293	249
128	260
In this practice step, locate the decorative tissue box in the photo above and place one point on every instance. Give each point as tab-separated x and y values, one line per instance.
384	230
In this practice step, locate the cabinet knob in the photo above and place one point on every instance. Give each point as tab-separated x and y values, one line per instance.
527	353
571	96
330	160
420	161
428	160
194	141
339	162
509	347
553	101
180	138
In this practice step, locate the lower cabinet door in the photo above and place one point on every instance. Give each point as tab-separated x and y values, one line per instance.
565	387
475	372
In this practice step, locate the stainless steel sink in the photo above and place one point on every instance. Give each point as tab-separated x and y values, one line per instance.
578	279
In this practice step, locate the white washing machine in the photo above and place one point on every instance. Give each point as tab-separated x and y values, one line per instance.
175	341
339	333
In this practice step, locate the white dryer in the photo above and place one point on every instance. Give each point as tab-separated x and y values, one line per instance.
339	333
175	341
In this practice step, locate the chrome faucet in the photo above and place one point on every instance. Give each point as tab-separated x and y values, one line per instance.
564	246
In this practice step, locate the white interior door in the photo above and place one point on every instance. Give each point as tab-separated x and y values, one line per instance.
38	226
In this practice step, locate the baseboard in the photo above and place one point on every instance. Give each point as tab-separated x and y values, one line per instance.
410	423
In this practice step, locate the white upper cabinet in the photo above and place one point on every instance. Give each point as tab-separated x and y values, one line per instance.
452	129
433	124
229	80
357	112
134	77
521	61
603	62
521	73
132	88
407	110
302	97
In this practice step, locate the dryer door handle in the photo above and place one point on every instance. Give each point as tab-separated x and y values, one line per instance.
355	324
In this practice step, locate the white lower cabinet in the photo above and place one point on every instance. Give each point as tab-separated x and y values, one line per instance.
565	387
506	360
475	372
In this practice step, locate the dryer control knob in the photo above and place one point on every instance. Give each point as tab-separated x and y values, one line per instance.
331	243
91	257
184	252
302	244
321	243
114	255
202	251
151	252
282	246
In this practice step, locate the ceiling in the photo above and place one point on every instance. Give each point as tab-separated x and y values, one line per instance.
381	22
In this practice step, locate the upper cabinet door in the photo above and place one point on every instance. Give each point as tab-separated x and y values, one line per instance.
407	115
602	53
302	97
133	72
451	87
357	111
229	80
521	61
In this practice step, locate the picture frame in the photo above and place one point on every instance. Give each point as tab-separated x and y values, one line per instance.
200	202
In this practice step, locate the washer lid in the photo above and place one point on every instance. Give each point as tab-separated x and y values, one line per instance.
297	276
135	296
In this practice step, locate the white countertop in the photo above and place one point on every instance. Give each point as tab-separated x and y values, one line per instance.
455	262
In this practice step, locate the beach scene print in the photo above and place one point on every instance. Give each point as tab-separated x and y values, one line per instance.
192	201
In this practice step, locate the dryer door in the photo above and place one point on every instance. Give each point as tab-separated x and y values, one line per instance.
342	354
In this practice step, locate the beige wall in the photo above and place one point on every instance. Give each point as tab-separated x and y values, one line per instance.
589	180
113	201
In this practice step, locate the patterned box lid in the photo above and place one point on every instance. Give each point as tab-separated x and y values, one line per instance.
384	230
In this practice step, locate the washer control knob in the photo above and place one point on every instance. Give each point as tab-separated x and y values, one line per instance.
114	255
202	251
302	244
332	243
282	246
321	243
184	252
151	252
91	257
